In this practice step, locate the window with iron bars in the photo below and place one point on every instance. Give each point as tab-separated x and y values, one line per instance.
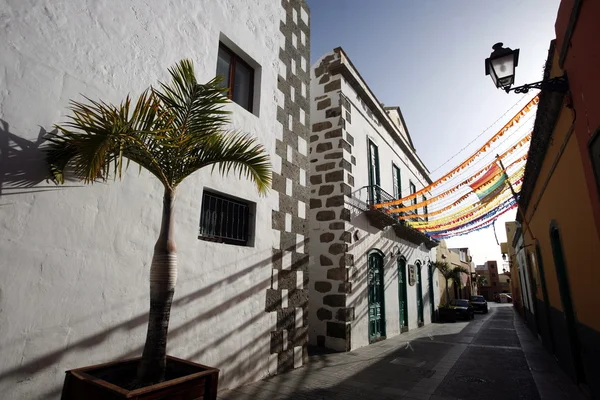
224	219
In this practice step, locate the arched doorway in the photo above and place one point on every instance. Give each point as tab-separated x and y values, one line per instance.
420	321
402	298
376	296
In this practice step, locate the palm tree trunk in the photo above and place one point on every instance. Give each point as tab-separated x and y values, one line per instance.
163	276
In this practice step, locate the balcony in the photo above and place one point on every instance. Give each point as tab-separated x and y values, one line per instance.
381	218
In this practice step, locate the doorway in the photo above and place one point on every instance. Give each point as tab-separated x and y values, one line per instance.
402	298
420	321
376	296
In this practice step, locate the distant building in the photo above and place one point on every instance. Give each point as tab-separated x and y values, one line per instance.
491	288
370	274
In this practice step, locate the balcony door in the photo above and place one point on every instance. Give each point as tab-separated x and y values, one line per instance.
374	179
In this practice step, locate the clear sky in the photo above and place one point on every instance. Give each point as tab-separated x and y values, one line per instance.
428	58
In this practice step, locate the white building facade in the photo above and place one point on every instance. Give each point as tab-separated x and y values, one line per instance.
74	259
370	273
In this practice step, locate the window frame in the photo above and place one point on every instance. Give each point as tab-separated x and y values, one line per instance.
413	190
425	209
248	220
396	181
235	59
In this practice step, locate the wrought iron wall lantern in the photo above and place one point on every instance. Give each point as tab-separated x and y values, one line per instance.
501	64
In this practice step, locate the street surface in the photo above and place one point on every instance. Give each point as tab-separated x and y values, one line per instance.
495	356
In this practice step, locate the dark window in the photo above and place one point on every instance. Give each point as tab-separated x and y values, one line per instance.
425	209
396	181
413	190
595	157
237	75
224	220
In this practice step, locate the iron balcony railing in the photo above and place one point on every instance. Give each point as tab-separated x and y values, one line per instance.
367	196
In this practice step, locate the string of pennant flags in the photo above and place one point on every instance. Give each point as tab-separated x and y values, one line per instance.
493	188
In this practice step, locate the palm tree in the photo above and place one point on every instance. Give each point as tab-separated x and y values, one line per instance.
457	272
173	131
449	274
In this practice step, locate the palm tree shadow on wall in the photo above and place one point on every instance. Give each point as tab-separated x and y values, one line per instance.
22	163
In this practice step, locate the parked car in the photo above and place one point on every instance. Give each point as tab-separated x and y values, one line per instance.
463	308
479	304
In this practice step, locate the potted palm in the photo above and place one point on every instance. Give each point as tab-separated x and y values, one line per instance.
446	312
171	131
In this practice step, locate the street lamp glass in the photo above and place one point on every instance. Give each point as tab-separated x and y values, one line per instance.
501	65
503	70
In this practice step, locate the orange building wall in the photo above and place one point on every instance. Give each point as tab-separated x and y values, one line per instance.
566	201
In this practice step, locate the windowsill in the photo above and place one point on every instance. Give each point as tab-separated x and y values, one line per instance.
221	241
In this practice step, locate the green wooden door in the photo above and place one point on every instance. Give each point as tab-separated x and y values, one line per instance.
376	297
567	303
374	180
430	286
419	295
403	303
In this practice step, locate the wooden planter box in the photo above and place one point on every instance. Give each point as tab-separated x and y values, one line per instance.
185	381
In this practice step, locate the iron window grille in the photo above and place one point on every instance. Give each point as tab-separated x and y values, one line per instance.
224	220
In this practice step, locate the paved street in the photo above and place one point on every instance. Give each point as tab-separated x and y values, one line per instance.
492	357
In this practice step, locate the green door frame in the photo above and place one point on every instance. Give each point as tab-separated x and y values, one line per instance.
420	319
376	295
567	301
402	295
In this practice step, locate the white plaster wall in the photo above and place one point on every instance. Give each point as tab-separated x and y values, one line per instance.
371	238
74	259
362	128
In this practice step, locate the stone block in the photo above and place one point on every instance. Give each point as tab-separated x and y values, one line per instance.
337	225
346	237
325	190
333	85
325	215
336	274
325	261
323	104
315	179
345	287
335	201
316	203
323	287
337	329
338	248
273	301
322	147
326	237
345	215
345	145
347	260
345	314
333	112
333	134
335	176
314	138
324	314
337	154
335	300
325	166
321	126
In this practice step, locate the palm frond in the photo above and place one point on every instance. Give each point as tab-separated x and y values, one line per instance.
229	152
99	135
197	109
